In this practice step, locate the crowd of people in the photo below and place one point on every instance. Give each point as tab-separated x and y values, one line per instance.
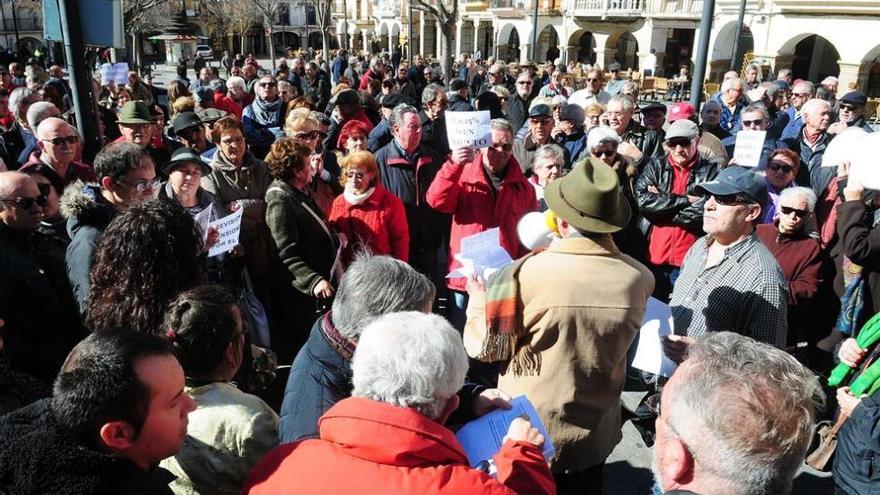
342	341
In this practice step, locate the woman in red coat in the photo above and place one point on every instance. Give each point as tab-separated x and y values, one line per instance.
370	217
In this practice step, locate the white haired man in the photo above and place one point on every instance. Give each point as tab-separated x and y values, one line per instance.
799	256
800	93
730	99
406	371
716	433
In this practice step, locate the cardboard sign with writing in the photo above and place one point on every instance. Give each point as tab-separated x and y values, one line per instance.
229	228
468	129
749	144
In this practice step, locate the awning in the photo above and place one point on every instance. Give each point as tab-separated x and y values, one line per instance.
178	37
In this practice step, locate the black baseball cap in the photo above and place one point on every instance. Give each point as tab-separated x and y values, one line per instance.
185	120
394	99
540	111
855	98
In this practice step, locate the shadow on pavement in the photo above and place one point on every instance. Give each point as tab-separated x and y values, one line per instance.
622	478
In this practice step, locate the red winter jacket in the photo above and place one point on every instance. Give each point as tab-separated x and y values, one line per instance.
225	103
368	447
379	223
465	192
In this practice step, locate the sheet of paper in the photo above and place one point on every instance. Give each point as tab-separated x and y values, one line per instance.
482	437
864	168
649	354
203	219
481	253
843	148
468	129
229	228
749	144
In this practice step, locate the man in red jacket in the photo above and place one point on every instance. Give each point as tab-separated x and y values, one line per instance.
389	436
482	192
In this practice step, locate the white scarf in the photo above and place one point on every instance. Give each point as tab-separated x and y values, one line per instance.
355	198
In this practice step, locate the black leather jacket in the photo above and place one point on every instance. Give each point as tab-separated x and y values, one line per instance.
646	140
670	209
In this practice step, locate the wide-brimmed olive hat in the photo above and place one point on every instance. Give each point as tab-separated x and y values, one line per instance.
135	112
589	198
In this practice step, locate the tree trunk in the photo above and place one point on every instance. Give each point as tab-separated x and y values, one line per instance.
325	44
450	56
271	46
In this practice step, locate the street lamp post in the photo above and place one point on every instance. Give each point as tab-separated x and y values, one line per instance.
409	41
735	58
702	53
535	32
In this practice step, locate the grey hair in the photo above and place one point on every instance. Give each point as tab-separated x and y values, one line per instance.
811	88
729	84
629	87
40	111
746	411
413	360
601	134
376	285
20	97
399	112
430	93
625	101
830	80
783	73
813	105
757	108
236	81
550	152
500	90
501	125
800	192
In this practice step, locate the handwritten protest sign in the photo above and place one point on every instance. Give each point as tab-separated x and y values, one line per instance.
229	228
468	129
749	145
114	72
482	254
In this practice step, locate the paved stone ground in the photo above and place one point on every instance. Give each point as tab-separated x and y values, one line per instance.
628	469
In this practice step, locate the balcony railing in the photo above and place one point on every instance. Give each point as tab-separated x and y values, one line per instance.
675	8
606	8
22	23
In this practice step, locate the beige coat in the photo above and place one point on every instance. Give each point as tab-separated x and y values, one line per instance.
583	302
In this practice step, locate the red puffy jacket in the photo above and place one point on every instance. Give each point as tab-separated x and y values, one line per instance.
368	447
379	223
465	192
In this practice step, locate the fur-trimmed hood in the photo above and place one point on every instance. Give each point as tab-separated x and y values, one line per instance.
82	204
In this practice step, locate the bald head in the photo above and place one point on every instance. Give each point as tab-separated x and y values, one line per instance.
57	140
18	190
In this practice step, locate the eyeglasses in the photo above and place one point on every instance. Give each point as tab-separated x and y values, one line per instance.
750	123
675	142
268	84
849	108
27	203
605	153
525	83
540	120
142	185
732	199
61	140
593	79
786	210
801	95
309	135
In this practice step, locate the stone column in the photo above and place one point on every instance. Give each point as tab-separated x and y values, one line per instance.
438	41
605	56
476	44
366	42
852	75
422	33
458	26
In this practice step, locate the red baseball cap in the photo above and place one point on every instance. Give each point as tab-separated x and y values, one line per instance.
680	111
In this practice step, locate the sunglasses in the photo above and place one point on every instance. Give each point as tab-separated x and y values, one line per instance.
750	123
27	203
540	120
786	169
268	84
525	83
605	153
849	108
786	210
732	199
310	135
675	142
592	79
61	140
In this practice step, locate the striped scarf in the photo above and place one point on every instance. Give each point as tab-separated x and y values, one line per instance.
504	322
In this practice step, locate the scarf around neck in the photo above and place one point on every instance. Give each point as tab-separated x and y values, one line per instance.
355	198
266	113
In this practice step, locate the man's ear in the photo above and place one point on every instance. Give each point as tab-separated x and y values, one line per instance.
449	408
680	466
755	214
108	183
41	144
117	435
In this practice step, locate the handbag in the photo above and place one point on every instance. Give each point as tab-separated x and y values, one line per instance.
255	314
826	434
